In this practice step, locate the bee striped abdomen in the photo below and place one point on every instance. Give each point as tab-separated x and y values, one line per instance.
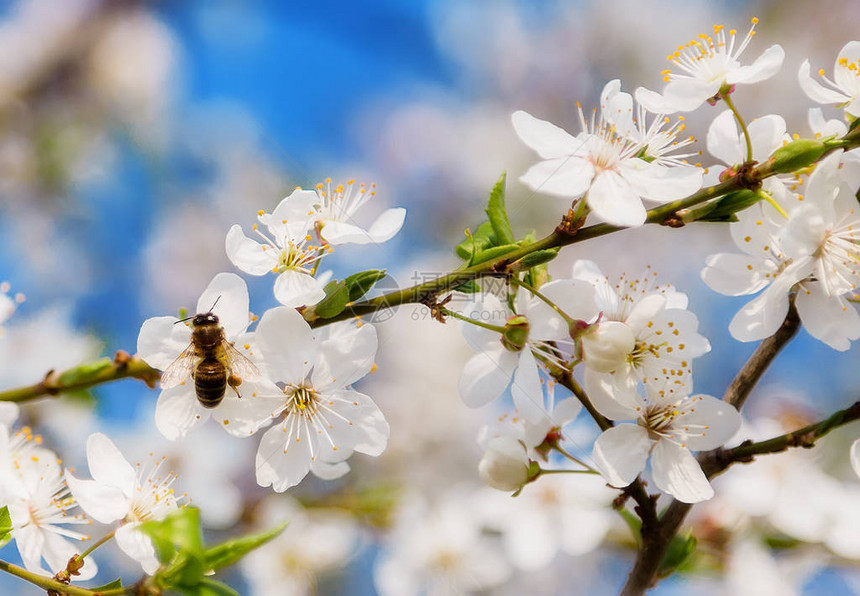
210	382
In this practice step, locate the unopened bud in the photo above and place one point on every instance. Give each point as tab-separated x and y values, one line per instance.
505	465
796	155
516	333
606	345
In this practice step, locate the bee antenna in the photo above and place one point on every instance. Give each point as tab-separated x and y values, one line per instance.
185	319
214	303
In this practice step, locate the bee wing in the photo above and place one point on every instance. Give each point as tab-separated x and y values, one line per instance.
239	364
180	369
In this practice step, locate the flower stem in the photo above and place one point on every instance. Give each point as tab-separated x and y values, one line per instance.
727	97
456	315
99	543
43	582
543	472
573	458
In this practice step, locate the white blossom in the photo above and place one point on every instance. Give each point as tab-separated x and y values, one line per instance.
844	89
124	493
706	64
336	211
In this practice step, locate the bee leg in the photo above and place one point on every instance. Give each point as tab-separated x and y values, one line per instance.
234	382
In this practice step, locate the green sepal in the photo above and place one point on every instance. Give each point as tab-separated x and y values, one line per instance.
336	299
206	587
481	239
633	522
796	155
726	206
534	259
680	551
114	585
498	214
470	287
231	551
85	372
358	284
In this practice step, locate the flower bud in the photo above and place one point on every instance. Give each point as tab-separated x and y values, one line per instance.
505	465
516	333
607	345
797	154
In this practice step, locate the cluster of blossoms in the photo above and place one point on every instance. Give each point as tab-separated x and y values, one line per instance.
44	499
297	380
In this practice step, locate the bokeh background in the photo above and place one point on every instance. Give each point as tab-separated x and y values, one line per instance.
134	133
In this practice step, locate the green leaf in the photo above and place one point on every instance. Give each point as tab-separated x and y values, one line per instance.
85	372
178	531
633	522
207	587
336	299
498	214
679	552
229	552
482	238
186	569
117	583
539	257
5	526
358	284
470	287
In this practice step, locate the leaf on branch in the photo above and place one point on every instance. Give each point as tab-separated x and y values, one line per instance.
5	526
358	284
115	584
497	213
679	552
336	299
228	553
481	239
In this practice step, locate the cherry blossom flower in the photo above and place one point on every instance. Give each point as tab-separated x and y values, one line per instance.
855	456
337	207
8	304
162	340
845	86
501	362
644	331
287	250
564	512
316	541
320	420
505	464
667	427
603	163
440	549
707	64
815	249
40	506
125	493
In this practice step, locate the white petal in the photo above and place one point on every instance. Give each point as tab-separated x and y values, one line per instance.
564	176
384	228
614	200
737	274
659	183
294	288
486	376
108	466
687	94
815	90
138	546
723	141
30	541
177	411
8	413
763	315
574	297
832	320
327	471
766	135
526	389
620	453
616	402
764	67
346	358
547	139
368	425
286	343
485	308
844	71
227	297
293	216
57	552
283	458
710	424
248	255
243	417
644	311
103	503
678	473
160	341
653	101
566	411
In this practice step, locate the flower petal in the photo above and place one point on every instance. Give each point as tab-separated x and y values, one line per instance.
368	426
177	411
284	456
486	376
260	402
563	176
547	139
345	358
613	200
248	255
526	389
815	90
737	274
103	503
855	456
227	296
108	466
723	140
620	453
294	288
160	341
286	344
830	319
138	546
764	67
678	473
708	425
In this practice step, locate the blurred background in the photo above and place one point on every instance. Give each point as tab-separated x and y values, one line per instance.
133	134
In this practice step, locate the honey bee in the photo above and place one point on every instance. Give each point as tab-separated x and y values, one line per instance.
211	361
